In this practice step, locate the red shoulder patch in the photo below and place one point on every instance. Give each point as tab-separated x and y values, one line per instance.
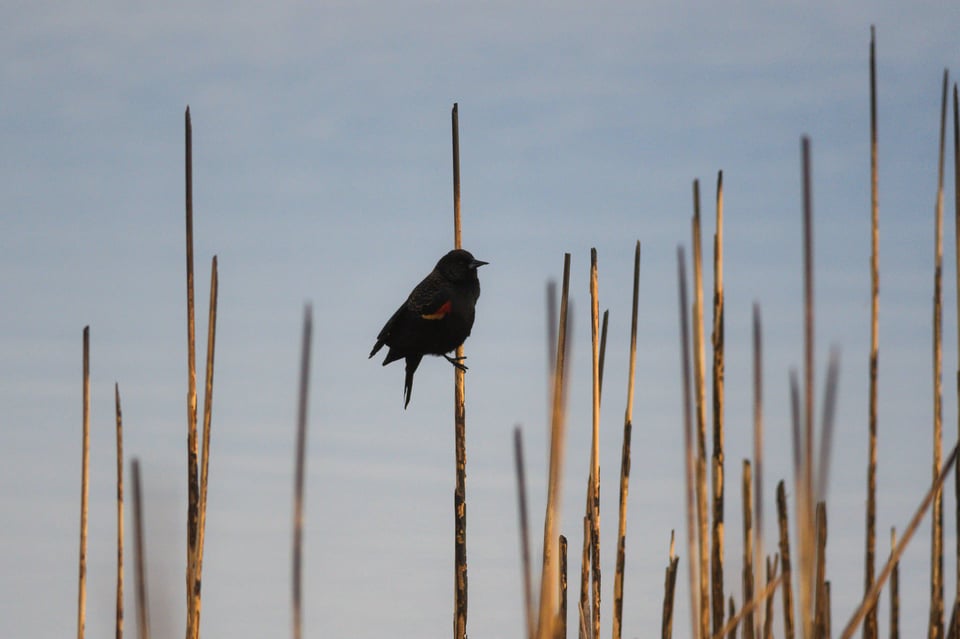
440	313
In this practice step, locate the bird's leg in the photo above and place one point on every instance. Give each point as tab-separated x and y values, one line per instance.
456	361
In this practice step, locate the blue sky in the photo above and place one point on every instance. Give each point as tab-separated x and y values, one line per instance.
322	174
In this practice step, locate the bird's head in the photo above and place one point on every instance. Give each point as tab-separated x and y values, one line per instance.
459	265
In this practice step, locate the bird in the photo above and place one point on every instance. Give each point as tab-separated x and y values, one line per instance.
436	318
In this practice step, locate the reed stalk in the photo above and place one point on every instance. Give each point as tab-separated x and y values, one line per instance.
193	486
688	451
768	609
583	603
603	348
935	630
669	588
805	515
701	404
205	449
955	622
524	532
870	621
547	618
299	472
734	621
716	556
84	489
894	590
625	456
562	617
822	605
758	554
140	554
786	567
460	426
748	576
595	447
119	608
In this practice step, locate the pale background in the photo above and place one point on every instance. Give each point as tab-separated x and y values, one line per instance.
322	173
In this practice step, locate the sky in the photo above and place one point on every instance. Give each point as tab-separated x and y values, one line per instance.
321	154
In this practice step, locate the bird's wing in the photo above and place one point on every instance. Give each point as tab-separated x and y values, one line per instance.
429	300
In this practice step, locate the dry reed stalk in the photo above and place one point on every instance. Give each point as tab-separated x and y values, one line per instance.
785	564
935	630
193	487
827	422
805	512
299	466
733	612
688	454
603	346
758	448
796	428
595	446
748	608
585	628
701	404
821	608
955	622
524	531
140	554
119	613
716	555
205	449
547	619
894	590
84	489
669	587
551	335
827	632
870	621
562	621
748	576
871	597
583	602
460	426
768	609
625	455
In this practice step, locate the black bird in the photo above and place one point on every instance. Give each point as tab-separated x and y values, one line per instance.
436	318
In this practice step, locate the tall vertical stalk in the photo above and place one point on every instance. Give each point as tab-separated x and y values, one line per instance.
193	485
84	489
595	447
119	611
460	427
299	472
805	494
758	448
935	630
625	456
870	621
716	556
688	446
700	467
748	576
140	554
547	619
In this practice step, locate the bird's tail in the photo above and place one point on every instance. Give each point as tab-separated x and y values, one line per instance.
412	362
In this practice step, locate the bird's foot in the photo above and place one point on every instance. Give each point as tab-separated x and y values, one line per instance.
456	361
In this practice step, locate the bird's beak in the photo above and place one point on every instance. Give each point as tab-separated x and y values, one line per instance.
475	264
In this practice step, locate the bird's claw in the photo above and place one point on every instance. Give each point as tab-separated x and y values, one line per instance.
456	361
